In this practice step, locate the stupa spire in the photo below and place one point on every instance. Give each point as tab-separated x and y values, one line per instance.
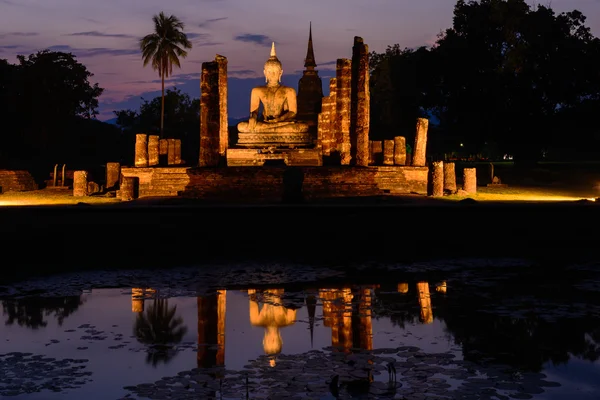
309	61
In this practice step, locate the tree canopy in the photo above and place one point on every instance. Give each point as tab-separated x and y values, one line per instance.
49	103
505	76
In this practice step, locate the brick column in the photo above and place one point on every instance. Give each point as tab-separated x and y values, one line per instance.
419	150
223	123
470	180
177	150
171	152
388	152
333	133
377	152
80	183
141	150
343	78
153	150
436	176
450	177
129	188
360	104
113	175
213	112
399	150
324	131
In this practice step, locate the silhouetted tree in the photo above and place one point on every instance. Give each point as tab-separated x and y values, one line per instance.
50	103
159	328
182	120
30	311
163	48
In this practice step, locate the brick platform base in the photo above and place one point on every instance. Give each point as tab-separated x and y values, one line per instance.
16	181
272	183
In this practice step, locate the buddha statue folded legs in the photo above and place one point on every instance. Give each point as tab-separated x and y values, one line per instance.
279	127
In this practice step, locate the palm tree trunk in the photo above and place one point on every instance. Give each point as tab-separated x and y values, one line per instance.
162	107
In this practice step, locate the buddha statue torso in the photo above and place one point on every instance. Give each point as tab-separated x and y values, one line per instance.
278	126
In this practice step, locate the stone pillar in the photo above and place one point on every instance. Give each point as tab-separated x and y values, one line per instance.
343	92
177	151
360	104
470	180
333	134
163	147
437	179
141	150
129	188
113	175
153	150
324	130
171	152
403	287
213	111
419	149
80	183
399	150
425	302
377	152
388	152
449	177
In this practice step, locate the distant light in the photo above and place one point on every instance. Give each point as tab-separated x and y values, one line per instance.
462	145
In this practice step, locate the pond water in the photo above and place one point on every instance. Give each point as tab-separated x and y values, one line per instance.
462	329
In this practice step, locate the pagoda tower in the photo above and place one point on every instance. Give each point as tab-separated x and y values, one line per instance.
310	87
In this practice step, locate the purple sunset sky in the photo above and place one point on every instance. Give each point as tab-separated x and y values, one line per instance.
104	36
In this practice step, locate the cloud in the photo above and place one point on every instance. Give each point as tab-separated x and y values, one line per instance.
241	73
20	34
94	51
194	35
100	34
10	47
211	21
334	62
252	38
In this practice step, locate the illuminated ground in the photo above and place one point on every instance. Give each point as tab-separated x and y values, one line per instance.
503	194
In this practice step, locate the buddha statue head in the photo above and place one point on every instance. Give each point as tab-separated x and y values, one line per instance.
273	69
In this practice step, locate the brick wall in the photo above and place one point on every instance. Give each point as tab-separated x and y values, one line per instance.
16	181
269	183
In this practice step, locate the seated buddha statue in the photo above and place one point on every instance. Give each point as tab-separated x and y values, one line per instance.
278	124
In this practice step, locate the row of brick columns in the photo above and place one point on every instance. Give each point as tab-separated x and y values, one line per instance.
393	151
149	148
442	178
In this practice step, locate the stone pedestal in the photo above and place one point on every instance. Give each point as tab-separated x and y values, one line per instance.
419	150
437	179
470	180
399	150
113	175
141	150
129	188
80	183
344	80
153	150
171	152
388	152
360	104
449	177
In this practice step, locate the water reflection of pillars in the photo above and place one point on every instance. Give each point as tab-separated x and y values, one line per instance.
425	302
137	298
272	316
350	327
211	329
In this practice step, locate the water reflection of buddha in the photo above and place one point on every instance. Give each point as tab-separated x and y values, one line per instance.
272	316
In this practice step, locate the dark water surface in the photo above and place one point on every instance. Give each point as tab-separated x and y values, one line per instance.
459	329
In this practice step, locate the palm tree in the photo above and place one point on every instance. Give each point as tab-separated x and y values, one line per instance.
159	328
162	49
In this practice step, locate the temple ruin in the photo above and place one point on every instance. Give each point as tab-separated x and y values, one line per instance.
300	141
